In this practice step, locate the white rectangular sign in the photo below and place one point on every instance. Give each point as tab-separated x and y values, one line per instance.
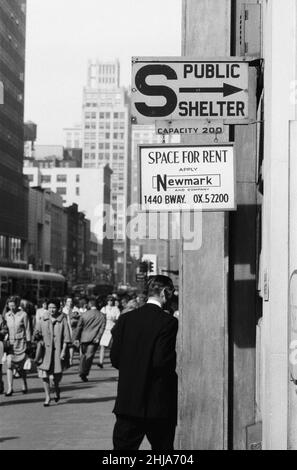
173	88
187	177
189	127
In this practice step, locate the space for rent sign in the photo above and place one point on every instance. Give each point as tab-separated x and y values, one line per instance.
184	88
187	177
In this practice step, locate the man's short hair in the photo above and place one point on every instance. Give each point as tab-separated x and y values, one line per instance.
157	283
93	301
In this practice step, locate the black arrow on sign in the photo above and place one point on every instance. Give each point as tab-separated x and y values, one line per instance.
225	89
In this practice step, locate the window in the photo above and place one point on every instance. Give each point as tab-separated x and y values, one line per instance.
61	191
115	115
14	247
77	178
3	241
30	178
46	178
107	135
77	191
62	178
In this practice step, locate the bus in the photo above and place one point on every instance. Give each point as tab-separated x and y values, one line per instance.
90	290
30	285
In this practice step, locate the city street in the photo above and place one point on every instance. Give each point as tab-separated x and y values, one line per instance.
83	418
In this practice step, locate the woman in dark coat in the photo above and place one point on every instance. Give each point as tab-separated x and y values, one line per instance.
53	331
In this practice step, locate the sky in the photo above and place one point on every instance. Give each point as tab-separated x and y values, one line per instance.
62	35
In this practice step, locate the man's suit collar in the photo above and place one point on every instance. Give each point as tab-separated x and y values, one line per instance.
152	300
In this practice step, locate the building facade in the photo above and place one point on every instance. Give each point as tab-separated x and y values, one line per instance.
13	190
47	224
106	128
72	136
89	189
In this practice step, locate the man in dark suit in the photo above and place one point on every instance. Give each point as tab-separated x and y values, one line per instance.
143	350
88	333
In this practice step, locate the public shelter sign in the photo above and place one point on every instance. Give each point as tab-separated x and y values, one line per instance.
187	177
175	88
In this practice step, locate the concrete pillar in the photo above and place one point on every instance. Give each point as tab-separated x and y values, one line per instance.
203	337
279	54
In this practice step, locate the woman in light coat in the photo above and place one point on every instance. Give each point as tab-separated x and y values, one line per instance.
19	336
3	334
112	314
53	331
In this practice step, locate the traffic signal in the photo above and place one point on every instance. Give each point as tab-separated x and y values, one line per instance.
151	267
143	267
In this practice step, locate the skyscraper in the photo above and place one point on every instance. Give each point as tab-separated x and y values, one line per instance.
13	192
106	126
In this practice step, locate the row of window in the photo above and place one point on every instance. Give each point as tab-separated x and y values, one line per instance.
69	143
59	178
63	191
48	178
11	248
106	115
103	155
104	125
106	145
106	135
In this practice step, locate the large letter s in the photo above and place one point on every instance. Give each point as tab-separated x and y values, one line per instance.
149	90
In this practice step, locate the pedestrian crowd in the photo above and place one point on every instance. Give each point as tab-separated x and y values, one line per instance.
45	337
141	334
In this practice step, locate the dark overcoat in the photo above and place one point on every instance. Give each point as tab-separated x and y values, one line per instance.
144	352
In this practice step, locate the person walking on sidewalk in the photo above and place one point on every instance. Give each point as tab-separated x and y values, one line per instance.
19	337
72	315
112	314
143	351
3	334
53	331
88	333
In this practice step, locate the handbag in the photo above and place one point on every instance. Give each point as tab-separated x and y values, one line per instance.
6	346
40	352
28	364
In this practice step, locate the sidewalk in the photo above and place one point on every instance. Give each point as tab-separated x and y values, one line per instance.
83	418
